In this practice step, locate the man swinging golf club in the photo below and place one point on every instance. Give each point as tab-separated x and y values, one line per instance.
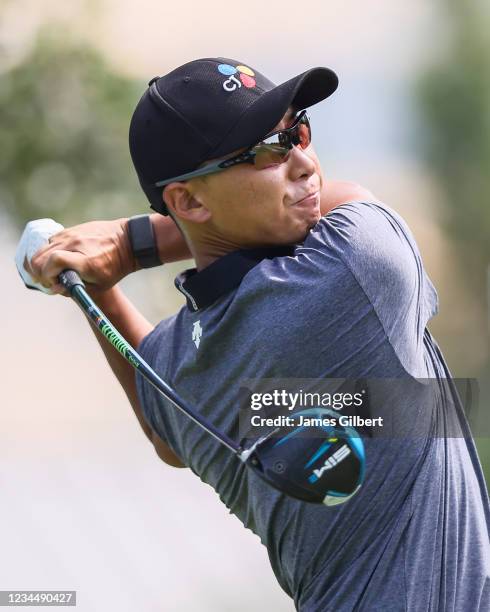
296	277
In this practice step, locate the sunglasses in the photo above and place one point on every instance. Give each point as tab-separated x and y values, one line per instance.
275	149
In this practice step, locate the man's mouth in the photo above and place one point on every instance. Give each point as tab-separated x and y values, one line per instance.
308	200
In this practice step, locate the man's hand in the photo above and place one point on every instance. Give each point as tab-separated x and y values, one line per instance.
99	251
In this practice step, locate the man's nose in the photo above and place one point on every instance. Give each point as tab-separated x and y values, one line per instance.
300	163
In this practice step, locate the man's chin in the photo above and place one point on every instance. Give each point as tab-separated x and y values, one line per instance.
302	232
312	220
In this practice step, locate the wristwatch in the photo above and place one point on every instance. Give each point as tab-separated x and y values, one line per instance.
143	243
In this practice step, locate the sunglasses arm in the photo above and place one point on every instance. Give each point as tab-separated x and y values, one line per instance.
214	167
218	166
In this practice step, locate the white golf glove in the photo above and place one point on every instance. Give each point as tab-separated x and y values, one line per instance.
36	235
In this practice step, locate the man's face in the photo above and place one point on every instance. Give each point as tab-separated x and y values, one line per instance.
250	207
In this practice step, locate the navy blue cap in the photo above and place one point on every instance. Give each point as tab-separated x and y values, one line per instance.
207	109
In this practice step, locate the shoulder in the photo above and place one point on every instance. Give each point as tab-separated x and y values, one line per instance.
375	244
353	211
335	193
367	228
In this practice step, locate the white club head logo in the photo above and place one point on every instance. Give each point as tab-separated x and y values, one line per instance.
331	462
197	333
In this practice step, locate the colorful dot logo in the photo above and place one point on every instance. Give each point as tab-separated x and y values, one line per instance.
244	73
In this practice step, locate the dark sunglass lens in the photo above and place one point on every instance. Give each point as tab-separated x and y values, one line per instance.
303	135
276	148
283	139
267	155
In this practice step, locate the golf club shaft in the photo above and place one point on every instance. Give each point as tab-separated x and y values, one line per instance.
73	283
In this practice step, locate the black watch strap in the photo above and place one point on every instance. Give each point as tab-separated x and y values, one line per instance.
143	241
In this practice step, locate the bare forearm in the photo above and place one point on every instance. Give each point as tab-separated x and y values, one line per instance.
170	241
100	251
133	326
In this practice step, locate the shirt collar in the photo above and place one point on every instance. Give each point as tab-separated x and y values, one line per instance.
203	288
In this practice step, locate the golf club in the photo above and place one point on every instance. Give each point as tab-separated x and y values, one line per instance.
326	466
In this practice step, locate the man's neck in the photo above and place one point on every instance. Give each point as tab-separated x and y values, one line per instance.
205	249
208	248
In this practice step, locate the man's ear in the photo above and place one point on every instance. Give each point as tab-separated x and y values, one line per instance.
184	204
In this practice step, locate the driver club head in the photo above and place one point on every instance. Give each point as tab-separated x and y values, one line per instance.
317	463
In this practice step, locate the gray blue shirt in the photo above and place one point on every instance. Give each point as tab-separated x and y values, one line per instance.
352	301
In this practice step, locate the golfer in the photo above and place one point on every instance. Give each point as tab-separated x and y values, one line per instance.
296	277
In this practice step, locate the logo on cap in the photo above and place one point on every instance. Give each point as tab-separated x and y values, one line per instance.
238	76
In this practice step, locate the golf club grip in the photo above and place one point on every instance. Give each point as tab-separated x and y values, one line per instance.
70	279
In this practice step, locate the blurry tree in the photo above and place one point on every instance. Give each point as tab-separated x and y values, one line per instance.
64	118
454	99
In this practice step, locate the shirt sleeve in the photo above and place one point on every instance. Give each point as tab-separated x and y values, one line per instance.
150	349
378	248
144	349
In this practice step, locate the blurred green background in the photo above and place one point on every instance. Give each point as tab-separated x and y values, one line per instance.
412	127
453	97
